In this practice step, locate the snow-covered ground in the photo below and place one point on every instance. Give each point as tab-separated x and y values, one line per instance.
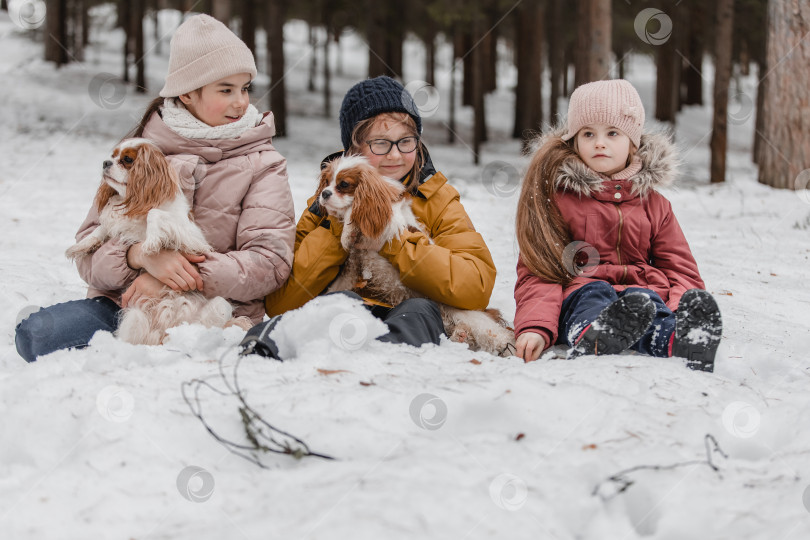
437	442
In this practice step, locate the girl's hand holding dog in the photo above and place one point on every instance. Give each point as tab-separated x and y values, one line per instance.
530	345
144	286
171	268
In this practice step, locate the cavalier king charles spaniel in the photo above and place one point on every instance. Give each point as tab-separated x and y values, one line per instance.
374	210
140	200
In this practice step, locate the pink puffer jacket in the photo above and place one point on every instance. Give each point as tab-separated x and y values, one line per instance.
241	200
631	227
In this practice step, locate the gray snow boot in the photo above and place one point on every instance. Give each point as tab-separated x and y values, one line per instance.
617	327
698	328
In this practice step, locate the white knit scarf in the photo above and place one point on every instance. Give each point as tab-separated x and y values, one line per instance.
181	121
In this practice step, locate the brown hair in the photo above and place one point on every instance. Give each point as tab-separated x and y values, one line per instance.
363	128
137	131
542	233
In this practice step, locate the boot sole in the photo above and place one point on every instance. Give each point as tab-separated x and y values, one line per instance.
617	327
698	329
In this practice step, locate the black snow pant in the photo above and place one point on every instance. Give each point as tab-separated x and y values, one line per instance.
415	321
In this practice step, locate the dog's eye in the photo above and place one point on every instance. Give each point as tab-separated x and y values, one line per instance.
128	160
343	185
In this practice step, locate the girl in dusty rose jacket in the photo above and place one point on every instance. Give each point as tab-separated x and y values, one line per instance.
234	179
604	265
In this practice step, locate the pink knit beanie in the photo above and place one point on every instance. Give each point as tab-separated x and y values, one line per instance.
615	103
203	50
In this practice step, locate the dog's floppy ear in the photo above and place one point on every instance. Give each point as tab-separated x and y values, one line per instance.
323	181
152	182
371	208
103	195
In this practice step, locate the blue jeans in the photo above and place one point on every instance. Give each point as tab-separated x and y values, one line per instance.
65	326
582	307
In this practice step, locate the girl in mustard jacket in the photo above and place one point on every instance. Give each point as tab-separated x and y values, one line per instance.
379	119
604	265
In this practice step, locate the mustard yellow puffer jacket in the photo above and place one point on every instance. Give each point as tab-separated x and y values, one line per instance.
456	269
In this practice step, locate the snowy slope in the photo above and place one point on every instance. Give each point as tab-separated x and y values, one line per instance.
436	442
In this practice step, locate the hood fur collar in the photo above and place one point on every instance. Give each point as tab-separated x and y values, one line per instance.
659	164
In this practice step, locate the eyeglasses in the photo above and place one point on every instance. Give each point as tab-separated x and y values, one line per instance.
405	145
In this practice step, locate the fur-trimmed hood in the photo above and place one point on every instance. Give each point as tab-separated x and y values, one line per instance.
659	164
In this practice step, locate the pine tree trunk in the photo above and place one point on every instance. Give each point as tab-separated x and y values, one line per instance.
722	49
327	109
556	55
668	66
760	120
451	120
313	58
529	55
593	41
221	10
124	19
692	76
274	24
138	14
478	72
467	61
376	38
430	53
56	32
249	25
395	38
785	149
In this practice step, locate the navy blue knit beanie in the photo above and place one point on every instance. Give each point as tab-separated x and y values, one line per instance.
371	97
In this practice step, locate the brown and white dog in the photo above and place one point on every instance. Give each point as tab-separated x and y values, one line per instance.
140	200
374	210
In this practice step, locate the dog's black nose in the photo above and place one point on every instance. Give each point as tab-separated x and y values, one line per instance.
325	194
107	164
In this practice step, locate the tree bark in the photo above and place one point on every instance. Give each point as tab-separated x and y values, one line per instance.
125	20
667	83
529	56
249	25
479	113
313	58
221	10
138	14
56	32
276	16
785	149
593	41
376	38
722	49
430	53
327	109
692	75
556	56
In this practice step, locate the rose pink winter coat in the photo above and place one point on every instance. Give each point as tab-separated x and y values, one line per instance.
629	224
241	200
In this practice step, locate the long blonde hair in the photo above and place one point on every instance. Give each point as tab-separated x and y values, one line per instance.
362	130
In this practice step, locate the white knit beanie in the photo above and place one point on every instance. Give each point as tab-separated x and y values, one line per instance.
615	103
203	50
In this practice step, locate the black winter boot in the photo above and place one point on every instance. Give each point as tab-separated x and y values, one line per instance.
617	327
698	328
257	340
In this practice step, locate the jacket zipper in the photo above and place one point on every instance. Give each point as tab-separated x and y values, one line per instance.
619	243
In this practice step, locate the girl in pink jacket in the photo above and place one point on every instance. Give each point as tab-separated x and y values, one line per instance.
604	265
234	178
